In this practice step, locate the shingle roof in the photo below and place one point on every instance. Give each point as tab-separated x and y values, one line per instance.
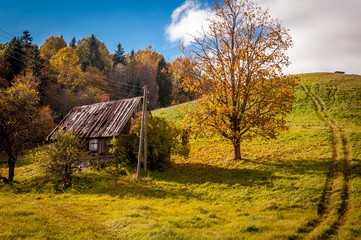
105	119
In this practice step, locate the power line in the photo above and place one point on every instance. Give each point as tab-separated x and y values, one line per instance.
6	32
98	86
124	85
113	82
5	36
114	91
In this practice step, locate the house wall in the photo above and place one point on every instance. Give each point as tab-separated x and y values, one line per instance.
104	144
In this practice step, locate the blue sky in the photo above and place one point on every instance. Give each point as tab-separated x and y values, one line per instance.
325	33
135	24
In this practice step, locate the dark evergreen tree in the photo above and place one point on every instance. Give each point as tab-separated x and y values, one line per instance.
163	79
92	55
138	88
35	62
119	56
26	40
15	57
132	53
73	43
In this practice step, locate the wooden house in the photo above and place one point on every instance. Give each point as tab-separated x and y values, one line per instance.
98	123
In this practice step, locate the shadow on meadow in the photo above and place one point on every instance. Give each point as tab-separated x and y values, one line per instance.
199	173
195	180
296	167
184	180
355	168
248	173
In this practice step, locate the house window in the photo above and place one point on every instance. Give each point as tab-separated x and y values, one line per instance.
93	145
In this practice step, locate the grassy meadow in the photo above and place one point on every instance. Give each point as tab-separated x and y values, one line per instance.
304	185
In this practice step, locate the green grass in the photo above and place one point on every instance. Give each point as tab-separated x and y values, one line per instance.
273	193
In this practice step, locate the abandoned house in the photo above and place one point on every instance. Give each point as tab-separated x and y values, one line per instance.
98	123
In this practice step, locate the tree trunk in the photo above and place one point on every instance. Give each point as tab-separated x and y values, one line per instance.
11	169
237	151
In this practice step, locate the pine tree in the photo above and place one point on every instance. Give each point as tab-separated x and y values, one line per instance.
73	43
92	55
163	80
36	68
26	40
119	56
138	88
35	62
14	56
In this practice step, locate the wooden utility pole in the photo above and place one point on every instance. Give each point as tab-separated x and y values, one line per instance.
144	114
145	129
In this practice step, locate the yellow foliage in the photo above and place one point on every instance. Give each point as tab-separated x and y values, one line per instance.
65	63
240	58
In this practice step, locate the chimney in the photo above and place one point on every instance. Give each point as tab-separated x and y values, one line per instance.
105	97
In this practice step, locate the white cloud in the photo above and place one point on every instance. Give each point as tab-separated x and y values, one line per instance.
187	22
326	33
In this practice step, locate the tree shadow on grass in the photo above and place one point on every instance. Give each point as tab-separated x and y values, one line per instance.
355	168
191	180
297	167
185	181
198	173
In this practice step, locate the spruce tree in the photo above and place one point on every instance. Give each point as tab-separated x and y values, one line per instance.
163	79
15	57
73	43
138	88
26	40
92	55
35	62
119	56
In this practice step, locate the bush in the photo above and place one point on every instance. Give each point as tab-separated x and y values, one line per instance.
122	157
58	159
164	139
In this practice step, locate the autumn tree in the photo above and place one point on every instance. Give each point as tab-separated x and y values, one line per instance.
58	159
65	63
146	62
240	58
51	47
5	73
181	68
94	87
22	121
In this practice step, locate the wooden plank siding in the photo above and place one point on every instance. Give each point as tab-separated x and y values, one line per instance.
101	121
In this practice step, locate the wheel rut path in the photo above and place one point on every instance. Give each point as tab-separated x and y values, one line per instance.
333	204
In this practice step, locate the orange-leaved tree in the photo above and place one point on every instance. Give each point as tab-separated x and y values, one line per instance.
240	59
182	68
23	123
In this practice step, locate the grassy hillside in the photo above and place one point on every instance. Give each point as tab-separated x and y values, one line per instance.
304	185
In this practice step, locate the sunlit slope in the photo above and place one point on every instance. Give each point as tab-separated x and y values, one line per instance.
320	154
341	94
